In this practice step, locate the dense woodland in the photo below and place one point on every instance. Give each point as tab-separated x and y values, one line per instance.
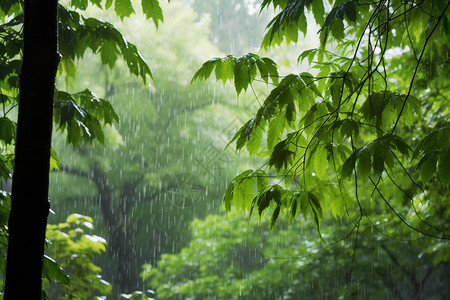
225	149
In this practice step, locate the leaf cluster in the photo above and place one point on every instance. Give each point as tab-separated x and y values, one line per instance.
74	248
80	115
354	129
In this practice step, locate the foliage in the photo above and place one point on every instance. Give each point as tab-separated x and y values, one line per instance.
365	131
73	246
231	257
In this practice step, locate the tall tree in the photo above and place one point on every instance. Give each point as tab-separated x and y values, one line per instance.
30	204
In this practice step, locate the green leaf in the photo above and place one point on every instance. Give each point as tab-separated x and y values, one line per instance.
320	163
205	71
81	4
286	24
316	211
78	219
7	130
228	196
242	69
364	164
53	272
109	53
436	140
241	75
444	167
379	153
336	90
350	11
318	10
242	190
123	8
224	69
81	114
55	164
304	204
427	166
6	165
274	217
268	69
281	155
349	128
349	166
295	204
152	10
261	179
275	131
108	4
271	194
337	29
254	137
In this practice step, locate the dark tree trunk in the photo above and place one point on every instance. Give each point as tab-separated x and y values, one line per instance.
30	205
119	243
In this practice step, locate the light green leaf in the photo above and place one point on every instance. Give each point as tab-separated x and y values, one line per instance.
320	163
152	10
224	70
275	131
55	164
123	8
318	10
228	196
254	137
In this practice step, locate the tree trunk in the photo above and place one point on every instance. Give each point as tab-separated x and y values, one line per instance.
29	204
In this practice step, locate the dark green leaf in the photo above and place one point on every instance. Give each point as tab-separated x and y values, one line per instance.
444	167
337	29
53	272
364	164
349	166
274	217
281	155
7	130
427	166
350	11
379	153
